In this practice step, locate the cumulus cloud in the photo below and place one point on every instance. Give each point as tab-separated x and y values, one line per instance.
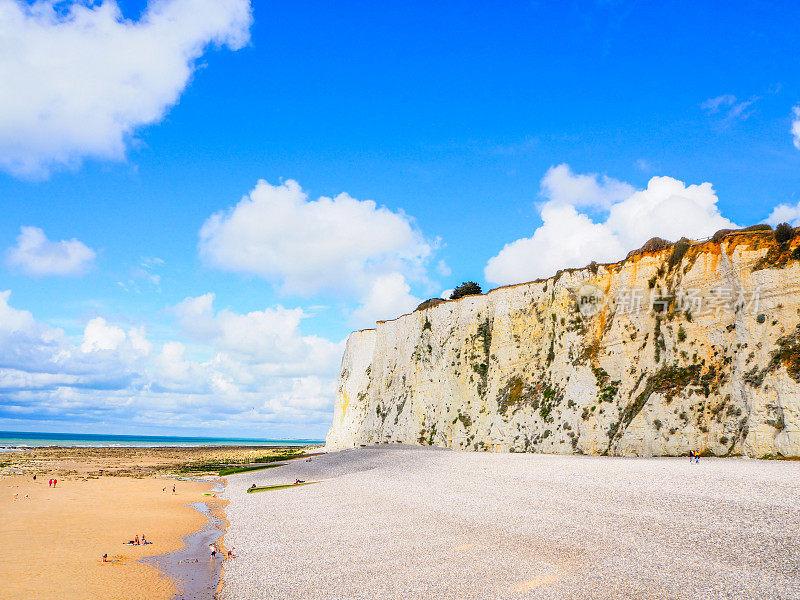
271	337
389	297
12	320
79	79
98	335
785	213
796	127
338	244
570	238
245	371
563	187
35	255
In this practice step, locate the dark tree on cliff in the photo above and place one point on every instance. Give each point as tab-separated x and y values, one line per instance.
468	288
783	233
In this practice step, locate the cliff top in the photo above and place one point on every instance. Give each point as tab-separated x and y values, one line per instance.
754	236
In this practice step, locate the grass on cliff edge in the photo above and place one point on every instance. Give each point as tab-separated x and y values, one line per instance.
280	486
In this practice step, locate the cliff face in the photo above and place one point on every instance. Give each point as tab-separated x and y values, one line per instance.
686	346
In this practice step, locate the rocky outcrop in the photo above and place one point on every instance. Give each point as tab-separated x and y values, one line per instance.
692	345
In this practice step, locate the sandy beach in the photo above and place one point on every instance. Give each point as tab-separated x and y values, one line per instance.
408	522
54	538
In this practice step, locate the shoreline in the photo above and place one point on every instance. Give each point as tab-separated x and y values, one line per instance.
194	575
58	535
105	497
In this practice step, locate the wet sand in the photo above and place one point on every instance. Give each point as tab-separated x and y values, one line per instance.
53	541
197	576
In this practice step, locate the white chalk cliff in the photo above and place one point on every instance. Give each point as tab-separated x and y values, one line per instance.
571	364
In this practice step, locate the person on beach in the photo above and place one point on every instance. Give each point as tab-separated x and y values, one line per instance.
144	540
49	483
173	488
105	557
230	552
136	540
691	456
55	481
213	549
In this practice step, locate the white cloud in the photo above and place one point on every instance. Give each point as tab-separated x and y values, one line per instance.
143	275
666	208
729	109
338	244
569	238
713	105
139	342
389	297
35	255
79	79
561	186
270	337
796	126
174	372
11	319
785	213
251	372
99	335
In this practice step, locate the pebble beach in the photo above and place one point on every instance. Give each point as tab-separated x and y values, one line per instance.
410	522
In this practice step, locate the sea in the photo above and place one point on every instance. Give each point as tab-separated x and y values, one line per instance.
20	440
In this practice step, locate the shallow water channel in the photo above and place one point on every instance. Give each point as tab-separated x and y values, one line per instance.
196	575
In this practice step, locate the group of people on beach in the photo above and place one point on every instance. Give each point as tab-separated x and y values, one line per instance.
52	482
694	457
137	542
213	549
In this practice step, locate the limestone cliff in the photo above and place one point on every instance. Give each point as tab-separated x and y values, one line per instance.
693	345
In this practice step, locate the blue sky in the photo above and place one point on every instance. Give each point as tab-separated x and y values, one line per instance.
497	142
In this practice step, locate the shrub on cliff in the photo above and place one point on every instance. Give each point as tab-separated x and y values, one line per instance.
678	251
783	233
723	233
468	288
652	245
429	303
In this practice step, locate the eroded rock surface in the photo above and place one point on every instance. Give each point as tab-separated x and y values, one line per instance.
691	346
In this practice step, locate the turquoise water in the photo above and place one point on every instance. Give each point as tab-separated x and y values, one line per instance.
33	439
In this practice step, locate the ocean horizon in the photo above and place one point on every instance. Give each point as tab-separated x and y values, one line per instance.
10	440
